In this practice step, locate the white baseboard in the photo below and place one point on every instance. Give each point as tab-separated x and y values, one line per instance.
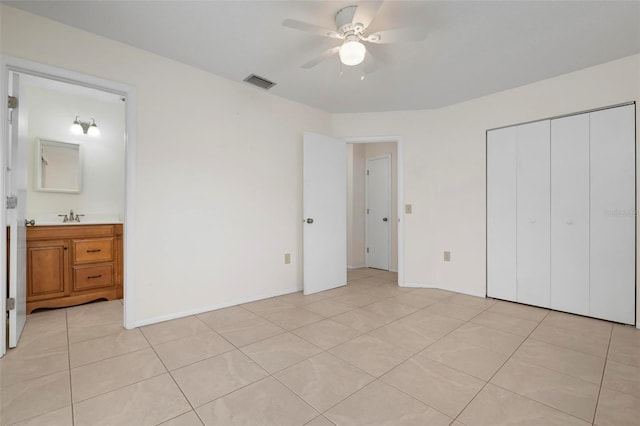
208	308
393	270
356	266
440	287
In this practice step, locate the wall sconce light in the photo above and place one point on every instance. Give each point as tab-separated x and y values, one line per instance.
87	127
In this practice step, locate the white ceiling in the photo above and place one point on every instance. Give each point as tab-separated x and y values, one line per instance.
473	48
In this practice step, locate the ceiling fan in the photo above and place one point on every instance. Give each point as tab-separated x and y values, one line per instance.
352	23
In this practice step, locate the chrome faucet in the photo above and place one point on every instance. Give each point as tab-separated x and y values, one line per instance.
71	216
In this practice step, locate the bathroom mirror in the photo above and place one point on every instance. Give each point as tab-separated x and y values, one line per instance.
58	167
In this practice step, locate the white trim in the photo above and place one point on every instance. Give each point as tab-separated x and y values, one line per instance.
356	266
23	66
208	308
400	192
439	287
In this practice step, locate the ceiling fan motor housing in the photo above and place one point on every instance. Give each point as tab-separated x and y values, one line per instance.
345	24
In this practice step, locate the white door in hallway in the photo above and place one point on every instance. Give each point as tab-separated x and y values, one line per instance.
324	210
378	213
16	181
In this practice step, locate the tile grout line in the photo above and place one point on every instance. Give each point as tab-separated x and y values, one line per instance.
73	411
604	369
498	369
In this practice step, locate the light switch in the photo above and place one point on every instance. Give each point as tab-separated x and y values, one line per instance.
408	209
287	258
447	256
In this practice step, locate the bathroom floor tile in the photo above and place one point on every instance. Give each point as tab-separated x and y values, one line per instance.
323	380
429	324
566	361
328	307
388	309
18	365
267	306
60	417
616	408
190	349
225	317
30	398
326	334
151	401
448	309
496	406
622	378
370	354
267	402
379	404
281	351
513	325
404	335
249	331
413	299
565	393
448	390
106	347
465	356
293	318
578	340
212	378
174	329
110	374
357	299
187	419
361	320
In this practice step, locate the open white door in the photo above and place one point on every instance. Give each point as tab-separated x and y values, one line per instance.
325	213
378	214
16	180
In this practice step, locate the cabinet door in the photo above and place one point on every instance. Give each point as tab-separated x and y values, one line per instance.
47	269
570	214
612	257
533	213
501	213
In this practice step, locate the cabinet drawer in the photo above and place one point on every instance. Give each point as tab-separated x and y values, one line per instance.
93	250
90	277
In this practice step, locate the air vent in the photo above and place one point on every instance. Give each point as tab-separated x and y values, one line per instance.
261	82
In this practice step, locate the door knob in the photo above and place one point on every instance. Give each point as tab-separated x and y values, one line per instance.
384	219
29	222
309	220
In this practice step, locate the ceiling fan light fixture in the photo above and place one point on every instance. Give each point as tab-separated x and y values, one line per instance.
352	52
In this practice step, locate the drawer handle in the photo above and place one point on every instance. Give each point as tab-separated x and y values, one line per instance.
94	276
93	251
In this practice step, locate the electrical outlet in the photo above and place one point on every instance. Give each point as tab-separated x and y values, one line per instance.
287	258
408	209
447	256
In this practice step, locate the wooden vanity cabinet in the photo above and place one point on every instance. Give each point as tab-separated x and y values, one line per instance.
73	264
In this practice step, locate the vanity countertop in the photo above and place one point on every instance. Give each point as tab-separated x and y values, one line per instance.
86	219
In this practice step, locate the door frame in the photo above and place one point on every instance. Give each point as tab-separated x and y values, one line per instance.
366	202
10	64
400	191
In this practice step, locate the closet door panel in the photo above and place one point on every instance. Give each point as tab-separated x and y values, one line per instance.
612	258
501	213
533	213
570	214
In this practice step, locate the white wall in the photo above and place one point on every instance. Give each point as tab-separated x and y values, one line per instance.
218	171
355	205
50	114
444	167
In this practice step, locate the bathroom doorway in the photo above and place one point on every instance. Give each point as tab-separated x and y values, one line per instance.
362	229
50	102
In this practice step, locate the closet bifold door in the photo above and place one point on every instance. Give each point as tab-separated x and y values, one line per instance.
501	213
533	213
570	214
612	239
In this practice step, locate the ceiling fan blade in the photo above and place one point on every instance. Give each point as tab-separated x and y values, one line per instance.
310	28
366	11
398	35
323	56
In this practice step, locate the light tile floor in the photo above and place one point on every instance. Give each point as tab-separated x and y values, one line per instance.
367	353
